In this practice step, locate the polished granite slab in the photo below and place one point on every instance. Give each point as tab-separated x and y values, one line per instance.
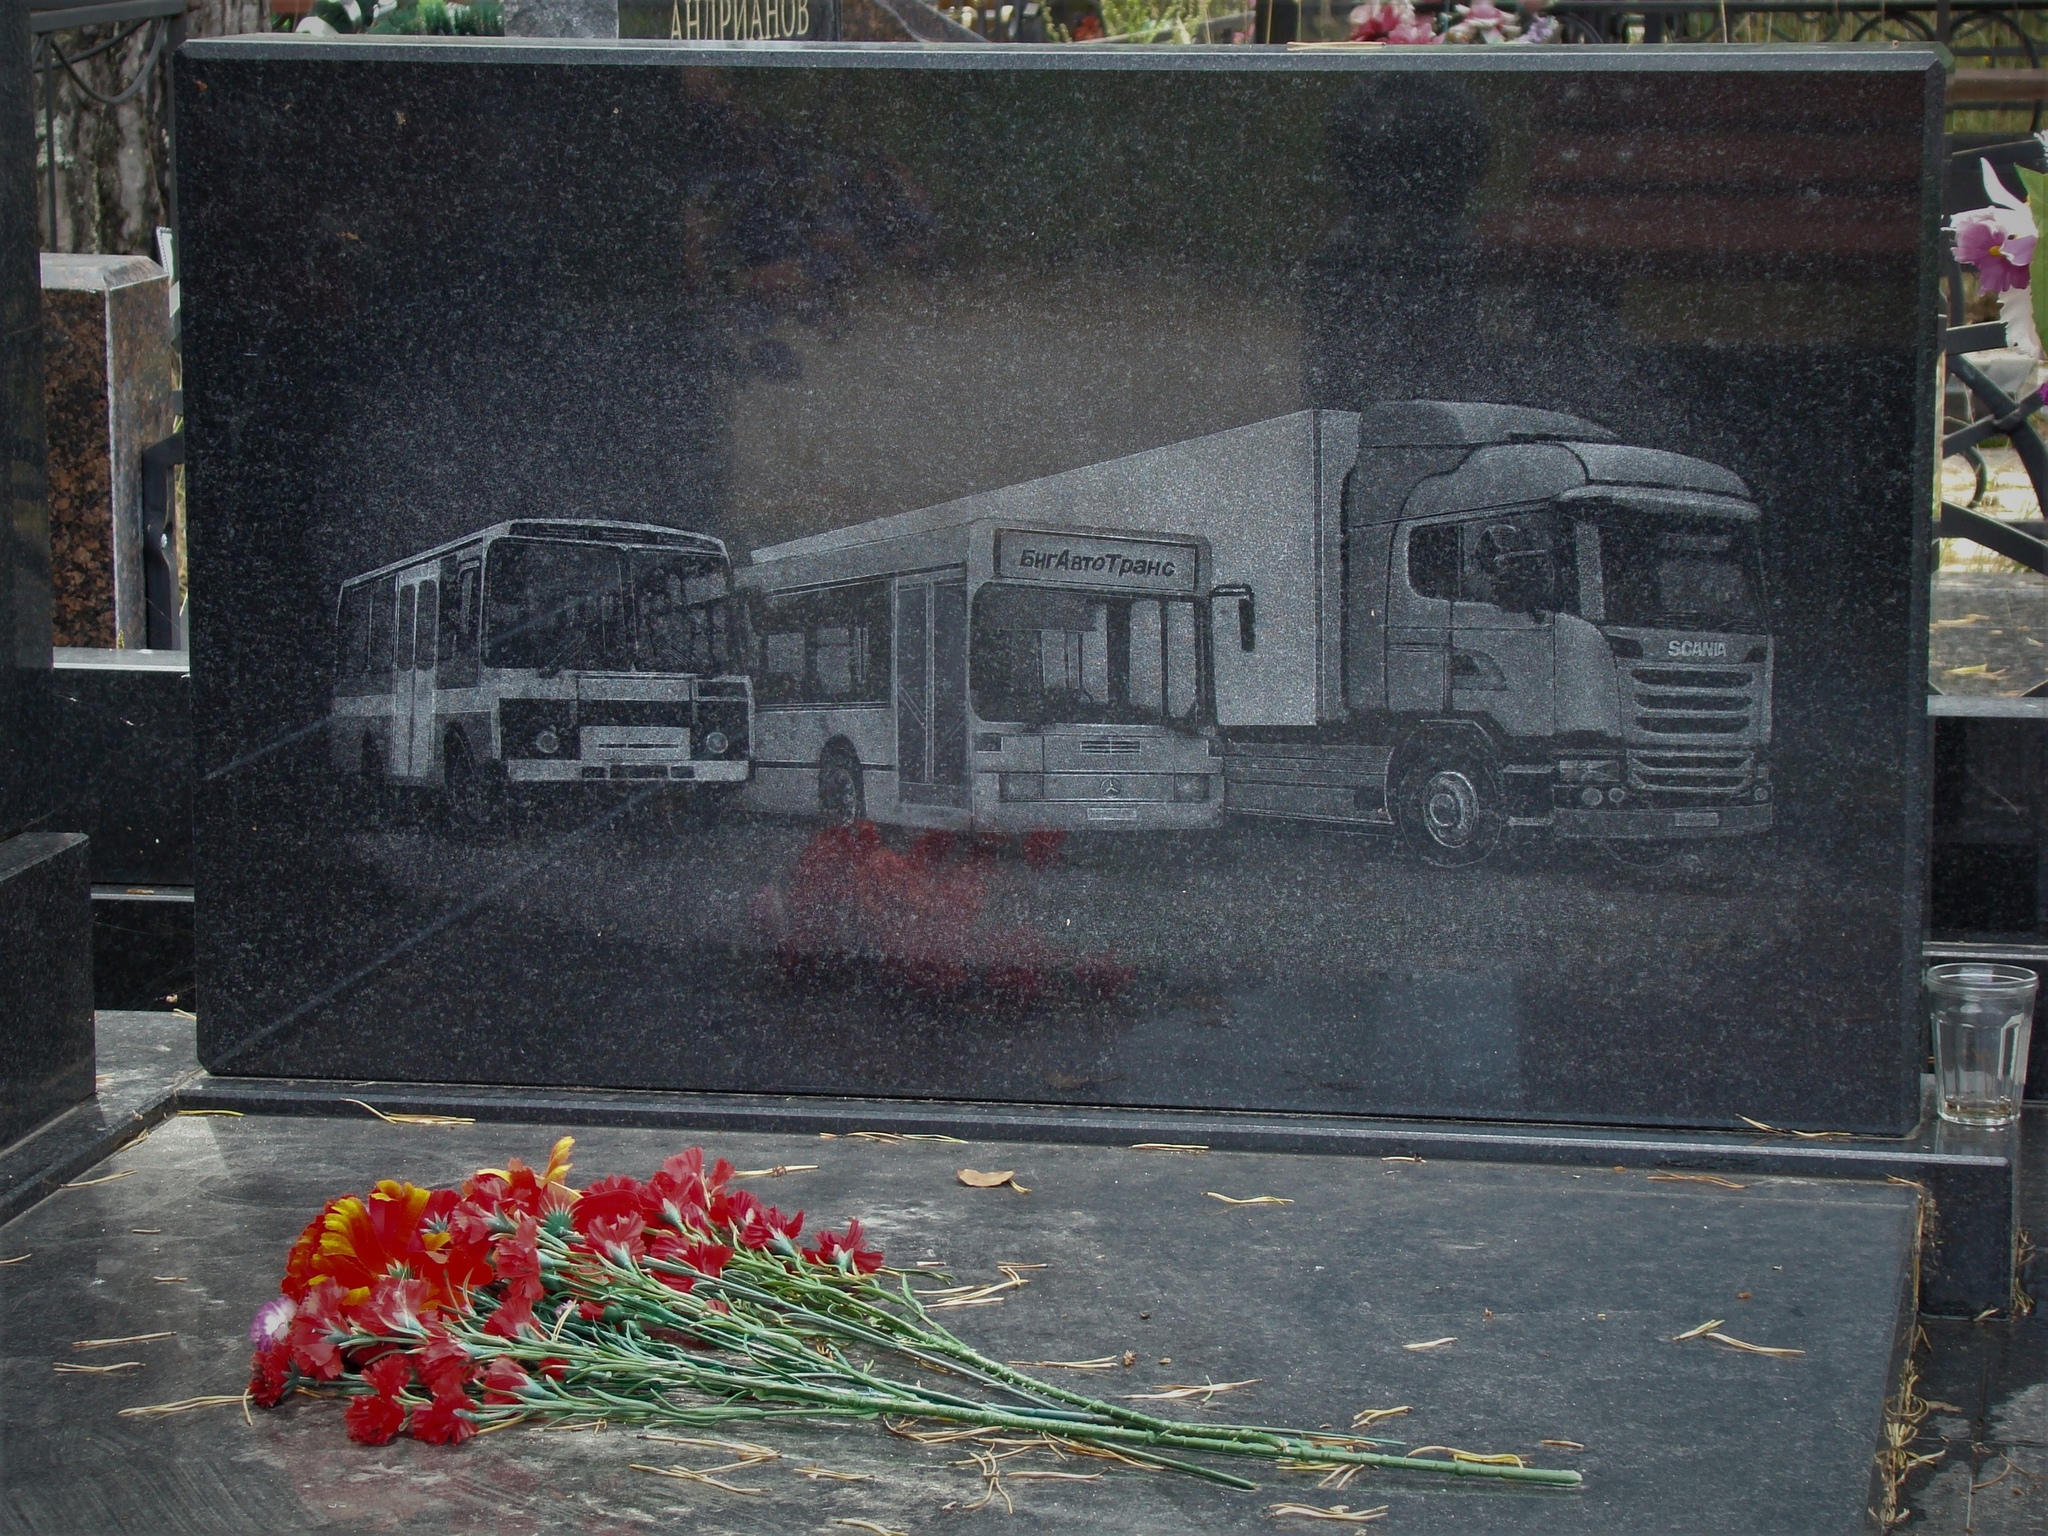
1562	1286
770	294
46	1024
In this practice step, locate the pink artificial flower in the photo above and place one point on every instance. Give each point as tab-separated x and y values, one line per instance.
272	1324
1998	241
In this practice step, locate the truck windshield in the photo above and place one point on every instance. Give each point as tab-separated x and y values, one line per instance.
553	604
1048	655
1671	571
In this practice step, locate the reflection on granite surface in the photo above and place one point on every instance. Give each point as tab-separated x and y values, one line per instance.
111	371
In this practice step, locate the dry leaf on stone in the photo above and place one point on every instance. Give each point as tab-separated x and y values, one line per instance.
974	1178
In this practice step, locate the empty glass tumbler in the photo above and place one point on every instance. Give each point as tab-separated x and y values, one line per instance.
1983	1015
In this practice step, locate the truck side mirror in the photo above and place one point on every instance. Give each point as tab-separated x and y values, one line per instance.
1247	620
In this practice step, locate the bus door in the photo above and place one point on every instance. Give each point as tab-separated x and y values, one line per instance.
931	692
412	728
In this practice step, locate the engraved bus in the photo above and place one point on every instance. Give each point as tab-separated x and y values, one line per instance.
936	669
545	655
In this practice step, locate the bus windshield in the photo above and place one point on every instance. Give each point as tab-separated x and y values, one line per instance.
1667	571
554	604
1048	655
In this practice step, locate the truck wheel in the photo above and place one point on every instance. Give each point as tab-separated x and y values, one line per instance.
1448	804
475	801
842	797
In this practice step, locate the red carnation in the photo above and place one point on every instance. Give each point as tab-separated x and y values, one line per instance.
518	1262
318	1330
390	1375
395	1306
618	1237
846	1252
513	1318
443	1364
443	1422
609	1200
270	1375
374	1419
504	1380
769	1228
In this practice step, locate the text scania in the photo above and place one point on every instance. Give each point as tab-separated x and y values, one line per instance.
1076	561
1697	650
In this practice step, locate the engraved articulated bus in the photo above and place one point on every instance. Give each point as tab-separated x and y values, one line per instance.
953	669
545	655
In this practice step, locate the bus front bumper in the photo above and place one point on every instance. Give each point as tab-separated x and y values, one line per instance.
551	771
1098	816
1645	825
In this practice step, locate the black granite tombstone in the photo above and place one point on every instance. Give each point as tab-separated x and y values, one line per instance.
1356	582
46	1043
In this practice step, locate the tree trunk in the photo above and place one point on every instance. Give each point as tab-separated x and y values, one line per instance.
113	162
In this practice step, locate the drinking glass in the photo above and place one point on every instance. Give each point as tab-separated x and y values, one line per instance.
1982	1015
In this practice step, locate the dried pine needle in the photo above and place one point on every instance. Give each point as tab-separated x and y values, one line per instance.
827	1475
1367	1417
183	1405
1563	1445
172	1279
1401	1157
1756	1349
1183	1390
745	1450
1772	1130
1695	1178
1342	1514
1101	1363
687	1475
1251	1200
103	1179
1190	1148
19	1258
1692	1333
777	1171
224	1114
889	1138
873	1526
1047	1477
69	1368
405	1119
133	1338
1416	1349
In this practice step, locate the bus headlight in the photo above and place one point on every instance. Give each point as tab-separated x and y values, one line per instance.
1023	786
1191	786
547	743
715	743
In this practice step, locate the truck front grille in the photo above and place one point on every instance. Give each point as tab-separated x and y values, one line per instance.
1688	701
1110	745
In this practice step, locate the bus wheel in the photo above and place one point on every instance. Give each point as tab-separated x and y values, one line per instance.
474	801
841	796
1448	804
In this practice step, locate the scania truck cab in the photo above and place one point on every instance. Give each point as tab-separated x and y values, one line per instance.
1546	628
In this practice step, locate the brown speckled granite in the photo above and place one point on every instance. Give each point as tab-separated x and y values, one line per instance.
110	371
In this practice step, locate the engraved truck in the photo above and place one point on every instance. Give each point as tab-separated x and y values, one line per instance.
1457	620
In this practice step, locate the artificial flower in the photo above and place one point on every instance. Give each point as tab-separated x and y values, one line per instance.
394	1306
270	1375
1482	22
318	1331
1998	241
272	1324
846	1252
445	1421
389	1375
504	1381
443	1362
1390	21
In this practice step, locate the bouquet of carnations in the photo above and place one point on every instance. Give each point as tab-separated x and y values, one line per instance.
681	1301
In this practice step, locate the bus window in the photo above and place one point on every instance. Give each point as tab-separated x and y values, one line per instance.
459	614
426	650
383	595
1042	655
362	637
406	601
683	608
550	604
826	647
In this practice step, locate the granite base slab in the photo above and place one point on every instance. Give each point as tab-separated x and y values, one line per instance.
46	1035
1563	1288
1969	1176
142	1058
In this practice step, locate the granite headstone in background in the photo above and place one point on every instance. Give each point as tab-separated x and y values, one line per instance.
111	376
1138	302
561	18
